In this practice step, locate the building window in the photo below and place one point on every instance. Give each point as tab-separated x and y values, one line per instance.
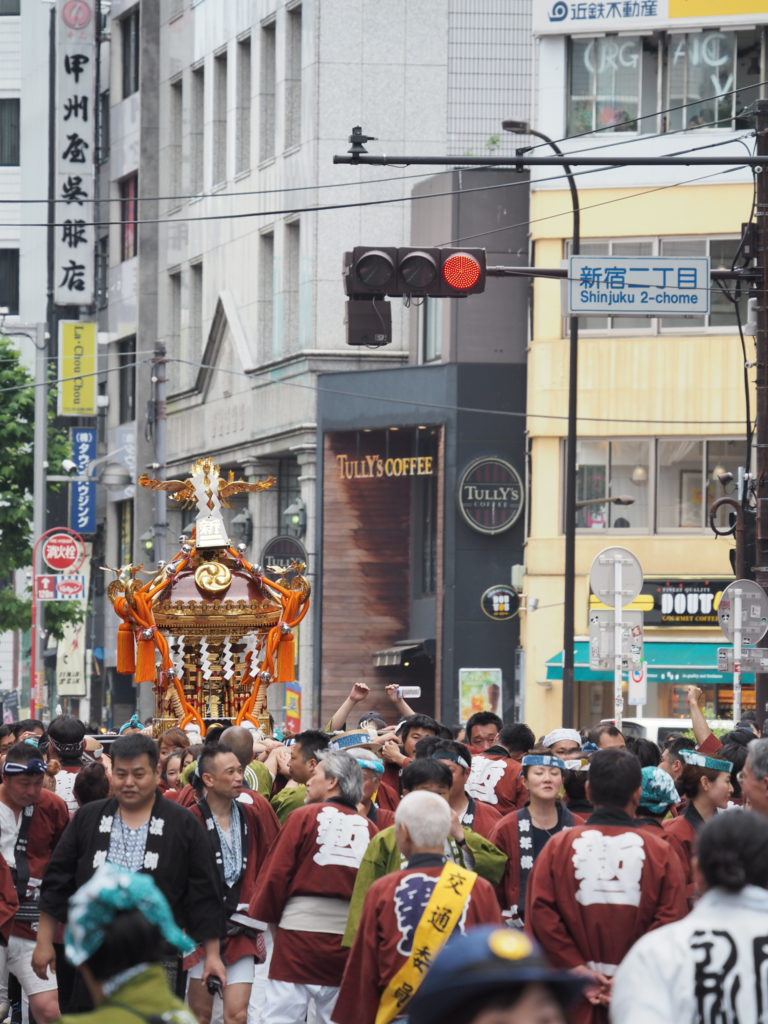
196	310
129	190
266	297
291	284
704	64
621	80
220	118
174	311
243	147
662	485
10	7
267	92
126	360
688	480
9	280
176	143
604	470
721	253
431	327
125	532
9	133
293	77
288	489
196	132
129	37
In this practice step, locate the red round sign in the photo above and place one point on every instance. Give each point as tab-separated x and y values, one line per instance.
70	586
76	13
62	552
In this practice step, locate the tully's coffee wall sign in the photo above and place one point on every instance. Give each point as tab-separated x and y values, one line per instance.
376	467
670	602
490	495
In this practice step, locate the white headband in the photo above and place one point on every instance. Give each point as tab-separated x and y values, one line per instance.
561	734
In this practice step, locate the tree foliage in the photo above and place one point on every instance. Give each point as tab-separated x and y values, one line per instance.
17	458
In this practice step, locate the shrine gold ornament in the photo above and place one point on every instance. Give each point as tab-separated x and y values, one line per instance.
213	577
221	631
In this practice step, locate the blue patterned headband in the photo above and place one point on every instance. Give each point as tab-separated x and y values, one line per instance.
373	763
450	755
545	759
110	890
695	757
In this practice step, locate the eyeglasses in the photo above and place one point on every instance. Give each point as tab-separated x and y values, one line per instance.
740	777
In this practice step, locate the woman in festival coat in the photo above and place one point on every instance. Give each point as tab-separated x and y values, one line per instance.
120	927
523	834
711	964
706	781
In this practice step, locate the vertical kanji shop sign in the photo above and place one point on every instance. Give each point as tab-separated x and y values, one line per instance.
75	145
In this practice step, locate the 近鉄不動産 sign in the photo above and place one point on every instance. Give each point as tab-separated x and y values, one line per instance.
637	286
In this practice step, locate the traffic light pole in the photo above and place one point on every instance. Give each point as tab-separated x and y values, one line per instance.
761	385
357	154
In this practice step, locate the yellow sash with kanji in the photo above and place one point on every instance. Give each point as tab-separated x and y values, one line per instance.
441	915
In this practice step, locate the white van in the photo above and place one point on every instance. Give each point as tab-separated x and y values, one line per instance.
657	729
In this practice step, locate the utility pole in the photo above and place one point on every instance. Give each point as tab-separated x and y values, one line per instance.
761	386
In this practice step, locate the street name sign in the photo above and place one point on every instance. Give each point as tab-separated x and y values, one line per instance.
637	286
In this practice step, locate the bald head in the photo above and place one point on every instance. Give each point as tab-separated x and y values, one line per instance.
239	741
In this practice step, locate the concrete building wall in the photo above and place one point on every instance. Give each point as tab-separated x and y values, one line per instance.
635	382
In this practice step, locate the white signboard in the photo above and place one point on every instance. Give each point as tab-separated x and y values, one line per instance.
602	639
572	17
71	655
637	286
75	119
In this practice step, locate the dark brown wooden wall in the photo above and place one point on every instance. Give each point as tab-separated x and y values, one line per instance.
366	571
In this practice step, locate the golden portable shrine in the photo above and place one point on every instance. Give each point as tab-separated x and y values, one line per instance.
220	629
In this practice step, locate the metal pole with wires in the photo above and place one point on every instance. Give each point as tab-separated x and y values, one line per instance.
761	388
569	517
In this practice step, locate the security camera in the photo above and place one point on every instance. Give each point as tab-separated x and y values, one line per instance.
69	467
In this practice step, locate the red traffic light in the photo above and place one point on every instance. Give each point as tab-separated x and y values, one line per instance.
461	271
376	271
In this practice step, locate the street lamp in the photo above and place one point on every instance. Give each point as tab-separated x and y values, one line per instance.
608	499
569	566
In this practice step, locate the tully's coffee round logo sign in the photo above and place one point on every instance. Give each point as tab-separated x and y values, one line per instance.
278	556
490	495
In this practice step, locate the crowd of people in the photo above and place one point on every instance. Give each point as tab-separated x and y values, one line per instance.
373	872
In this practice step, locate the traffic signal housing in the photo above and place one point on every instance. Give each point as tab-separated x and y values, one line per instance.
377	271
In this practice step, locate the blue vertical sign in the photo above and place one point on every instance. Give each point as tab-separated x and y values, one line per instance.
82	494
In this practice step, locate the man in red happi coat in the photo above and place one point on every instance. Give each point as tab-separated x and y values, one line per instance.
305	888
32	820
597	887
495	777
394	907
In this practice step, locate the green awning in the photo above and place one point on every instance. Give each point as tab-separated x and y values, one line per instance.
668	662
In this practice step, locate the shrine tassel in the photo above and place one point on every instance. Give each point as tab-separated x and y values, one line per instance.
145	660
126	652
285	665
